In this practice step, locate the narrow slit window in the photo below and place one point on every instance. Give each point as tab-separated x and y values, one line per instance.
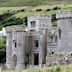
15	44
59	33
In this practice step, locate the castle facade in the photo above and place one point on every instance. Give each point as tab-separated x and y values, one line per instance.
39	43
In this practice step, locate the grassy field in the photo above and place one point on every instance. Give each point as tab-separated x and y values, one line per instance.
32	2
15	15
66	68
29	10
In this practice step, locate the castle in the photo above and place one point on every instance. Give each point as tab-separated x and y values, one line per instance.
39	43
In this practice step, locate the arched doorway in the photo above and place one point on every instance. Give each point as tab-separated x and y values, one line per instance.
14	61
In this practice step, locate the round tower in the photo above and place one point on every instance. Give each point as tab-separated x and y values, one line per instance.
64	20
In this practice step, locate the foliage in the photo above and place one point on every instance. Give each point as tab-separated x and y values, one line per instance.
58	69
65	68
38	9
2	49
54	17
56	8
6	19
47	9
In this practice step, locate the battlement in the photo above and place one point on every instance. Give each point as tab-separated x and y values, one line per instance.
15	28
63	14
40	16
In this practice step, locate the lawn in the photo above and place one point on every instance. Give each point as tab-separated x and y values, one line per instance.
64	68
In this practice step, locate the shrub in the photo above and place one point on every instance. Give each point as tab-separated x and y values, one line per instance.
55	8
51	70
54	17
48	10
8	10
58	69
38	9
22	10
54	25
18	10
59	8
2	50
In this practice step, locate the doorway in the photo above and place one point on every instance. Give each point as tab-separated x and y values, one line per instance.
36	59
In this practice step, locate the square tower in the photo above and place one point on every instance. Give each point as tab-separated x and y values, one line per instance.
38	22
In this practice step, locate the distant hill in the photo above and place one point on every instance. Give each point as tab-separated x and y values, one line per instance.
32	2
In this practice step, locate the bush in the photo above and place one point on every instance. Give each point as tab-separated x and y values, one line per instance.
54	25
54	17
8	10
38	9
48	10
55	8
22	10
18	10
5	15
59	8
2	50
58	69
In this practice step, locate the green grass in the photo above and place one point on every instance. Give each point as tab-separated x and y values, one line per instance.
16	16
65	68
32	2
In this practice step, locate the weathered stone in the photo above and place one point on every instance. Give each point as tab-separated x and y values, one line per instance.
39	43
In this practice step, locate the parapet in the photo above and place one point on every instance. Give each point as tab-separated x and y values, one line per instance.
15	28
37	17
63	14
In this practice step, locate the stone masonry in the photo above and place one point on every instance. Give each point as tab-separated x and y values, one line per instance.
39	43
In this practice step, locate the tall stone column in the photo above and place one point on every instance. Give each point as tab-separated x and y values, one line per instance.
20	50
9	51
41	47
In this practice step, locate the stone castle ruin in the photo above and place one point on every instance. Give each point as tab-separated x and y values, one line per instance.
39	43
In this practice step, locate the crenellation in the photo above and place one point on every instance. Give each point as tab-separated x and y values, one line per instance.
61	15
36	17
15	28
39	43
